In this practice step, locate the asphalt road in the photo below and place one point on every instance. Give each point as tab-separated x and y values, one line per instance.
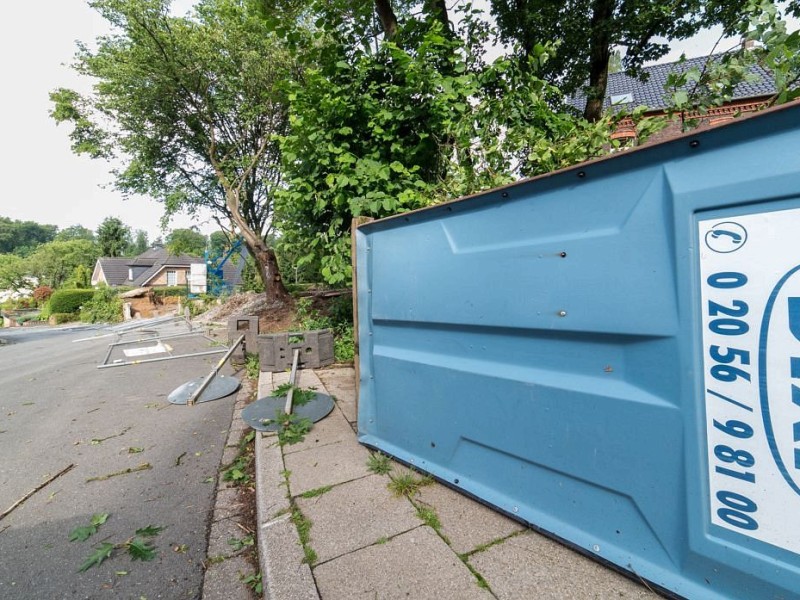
55	407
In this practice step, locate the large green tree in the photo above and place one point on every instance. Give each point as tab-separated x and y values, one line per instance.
75	232
421	118
186	241
192	108
53	263
588	31
113	237
22	237
13	272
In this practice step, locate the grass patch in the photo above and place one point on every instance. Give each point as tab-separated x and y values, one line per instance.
379	464
487	545
382	540
317	491
408	484
479	580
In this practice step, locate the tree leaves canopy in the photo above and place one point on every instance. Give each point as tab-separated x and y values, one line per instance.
190	105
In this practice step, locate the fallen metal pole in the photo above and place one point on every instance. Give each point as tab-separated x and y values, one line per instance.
193	398
292	378
152	360
164	337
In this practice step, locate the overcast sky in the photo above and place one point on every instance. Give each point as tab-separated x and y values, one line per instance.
42	180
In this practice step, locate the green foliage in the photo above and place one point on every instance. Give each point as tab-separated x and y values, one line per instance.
587	30
237	472
692	92
428	516
13	272
100	554
239	544
340	320
186	241
83	533
174	290
75	232
22	237
136	547
300	396
425	117
103	307
54	262
252	365
69	301
114	237
254	583
140	242
60	318
316	492
407	484
194	137
303	525
293	428
378	463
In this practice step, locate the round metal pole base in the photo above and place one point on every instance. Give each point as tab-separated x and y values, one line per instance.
219	387
261	414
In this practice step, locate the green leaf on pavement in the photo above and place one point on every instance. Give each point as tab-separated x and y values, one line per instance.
101	553
141	550
150	531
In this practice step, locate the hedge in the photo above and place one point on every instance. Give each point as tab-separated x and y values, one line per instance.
175	290
69	301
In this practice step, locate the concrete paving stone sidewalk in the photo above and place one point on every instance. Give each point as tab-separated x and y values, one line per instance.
330	528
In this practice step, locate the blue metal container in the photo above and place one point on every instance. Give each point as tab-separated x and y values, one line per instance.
610	353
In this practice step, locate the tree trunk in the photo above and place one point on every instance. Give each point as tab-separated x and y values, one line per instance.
599	54
264	256
437	9
270	274
387	17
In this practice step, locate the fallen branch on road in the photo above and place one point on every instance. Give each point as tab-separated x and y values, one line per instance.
141	467
8	511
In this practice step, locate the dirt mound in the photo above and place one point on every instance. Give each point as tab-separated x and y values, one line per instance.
272	317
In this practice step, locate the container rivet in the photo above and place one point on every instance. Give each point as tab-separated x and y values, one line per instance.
504	194
694	143
563	255
455	480
515	509
562	313
596	548
581	174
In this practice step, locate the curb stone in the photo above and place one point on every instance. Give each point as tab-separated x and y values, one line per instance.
280	553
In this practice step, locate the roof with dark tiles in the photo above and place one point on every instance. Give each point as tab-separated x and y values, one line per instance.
150	263
651	93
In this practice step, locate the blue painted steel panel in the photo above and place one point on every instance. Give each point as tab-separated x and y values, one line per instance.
606	354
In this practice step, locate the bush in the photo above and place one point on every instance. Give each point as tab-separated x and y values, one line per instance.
68	301
42	293
59	318
105	306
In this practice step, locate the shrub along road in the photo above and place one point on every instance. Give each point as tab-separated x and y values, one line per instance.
137	458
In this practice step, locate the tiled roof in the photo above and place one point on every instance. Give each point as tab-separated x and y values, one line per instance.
651	93
150	263
115	270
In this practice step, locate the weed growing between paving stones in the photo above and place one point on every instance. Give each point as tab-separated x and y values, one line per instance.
293	428
379	464
407	484
238	471
303	525
254	582
487	545
317	491
238	544
428	516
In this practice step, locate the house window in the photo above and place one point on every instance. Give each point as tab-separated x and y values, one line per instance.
130	273
172	278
